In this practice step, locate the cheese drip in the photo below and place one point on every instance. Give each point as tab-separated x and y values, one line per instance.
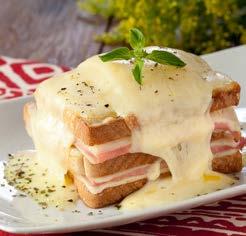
52	140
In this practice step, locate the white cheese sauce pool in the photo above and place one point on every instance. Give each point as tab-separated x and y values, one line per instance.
24	172
164	191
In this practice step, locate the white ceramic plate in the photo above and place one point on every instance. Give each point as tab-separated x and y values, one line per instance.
23	215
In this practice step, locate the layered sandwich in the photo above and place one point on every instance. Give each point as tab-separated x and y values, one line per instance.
113	135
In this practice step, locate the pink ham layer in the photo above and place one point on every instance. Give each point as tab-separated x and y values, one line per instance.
222	126
142	170
134	172
121	150
103	156
222	148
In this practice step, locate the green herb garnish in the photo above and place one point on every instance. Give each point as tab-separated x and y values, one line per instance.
138	54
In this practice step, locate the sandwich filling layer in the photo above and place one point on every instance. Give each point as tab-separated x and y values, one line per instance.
224	120
97	185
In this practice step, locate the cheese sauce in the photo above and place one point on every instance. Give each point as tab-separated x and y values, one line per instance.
164	191
52	141
24	172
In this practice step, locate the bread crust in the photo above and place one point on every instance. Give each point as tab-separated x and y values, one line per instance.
108	196
225	164
228	164
121	163
225	135
228	95
96	134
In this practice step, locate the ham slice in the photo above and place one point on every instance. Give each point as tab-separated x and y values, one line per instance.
104	152
226	145
225	120
139	171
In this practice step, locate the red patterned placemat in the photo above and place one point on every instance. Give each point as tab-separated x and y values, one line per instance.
19	77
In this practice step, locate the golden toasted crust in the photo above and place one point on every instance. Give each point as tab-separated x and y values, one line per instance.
228	95
81	166
96	134
221	164
108	196
121	163
228	164
225	135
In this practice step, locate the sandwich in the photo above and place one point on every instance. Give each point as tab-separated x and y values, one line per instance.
112	135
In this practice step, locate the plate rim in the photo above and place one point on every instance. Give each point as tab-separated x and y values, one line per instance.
130	216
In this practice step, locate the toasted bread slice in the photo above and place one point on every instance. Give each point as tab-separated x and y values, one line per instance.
226	164
226	96
220	135
121	163
108	196
132	160
119	127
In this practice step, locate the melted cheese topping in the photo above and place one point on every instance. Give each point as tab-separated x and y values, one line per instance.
165	192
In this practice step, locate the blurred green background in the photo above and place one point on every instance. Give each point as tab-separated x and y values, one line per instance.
198	26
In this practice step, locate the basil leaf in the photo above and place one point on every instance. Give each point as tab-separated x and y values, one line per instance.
138	53
122	53
137	39
137	71
166	58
